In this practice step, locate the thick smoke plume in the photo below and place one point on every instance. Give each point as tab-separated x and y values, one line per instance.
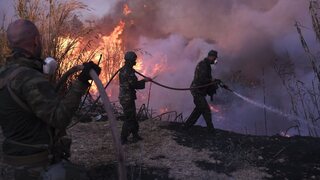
248	34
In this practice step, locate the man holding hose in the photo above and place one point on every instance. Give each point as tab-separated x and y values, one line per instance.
202	76
32	112
128	85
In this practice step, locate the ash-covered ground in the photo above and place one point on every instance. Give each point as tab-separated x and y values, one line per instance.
170	152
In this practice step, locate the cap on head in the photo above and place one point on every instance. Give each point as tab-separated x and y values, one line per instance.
213	53
22	33
130	56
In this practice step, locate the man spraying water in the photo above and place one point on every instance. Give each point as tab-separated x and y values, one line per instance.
202	76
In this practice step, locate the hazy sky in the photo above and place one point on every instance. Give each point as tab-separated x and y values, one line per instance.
97	8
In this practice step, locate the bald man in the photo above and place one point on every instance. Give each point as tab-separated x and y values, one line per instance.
31	111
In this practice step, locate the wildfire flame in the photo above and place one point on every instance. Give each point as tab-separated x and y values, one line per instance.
126	10
283	134
112	49
214	108
139	65
164	110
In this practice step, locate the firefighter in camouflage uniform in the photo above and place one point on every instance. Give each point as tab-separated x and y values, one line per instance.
129	83
32	112
202	76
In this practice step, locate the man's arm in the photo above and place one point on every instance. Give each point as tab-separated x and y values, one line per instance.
202	74
134	83
38	93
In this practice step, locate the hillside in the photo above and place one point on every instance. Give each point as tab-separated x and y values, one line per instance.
170	152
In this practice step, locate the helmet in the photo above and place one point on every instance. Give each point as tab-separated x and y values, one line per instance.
130	56
213	53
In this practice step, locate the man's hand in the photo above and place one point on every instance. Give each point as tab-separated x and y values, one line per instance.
226	87
147	79
84	76
217	81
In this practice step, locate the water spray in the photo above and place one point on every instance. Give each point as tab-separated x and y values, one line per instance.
220	84
274	110
248	100
269	108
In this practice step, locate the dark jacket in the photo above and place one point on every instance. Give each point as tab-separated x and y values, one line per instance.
202	76
46	108
129	83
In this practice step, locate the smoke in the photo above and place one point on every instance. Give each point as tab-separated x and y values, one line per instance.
248	34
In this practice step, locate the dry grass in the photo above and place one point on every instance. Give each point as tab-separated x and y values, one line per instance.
65	37
60	28
92	147
4	50
313	8
304	96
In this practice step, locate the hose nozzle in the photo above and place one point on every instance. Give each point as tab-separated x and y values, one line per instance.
221	84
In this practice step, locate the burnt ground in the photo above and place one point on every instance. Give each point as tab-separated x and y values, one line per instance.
281	157
170	152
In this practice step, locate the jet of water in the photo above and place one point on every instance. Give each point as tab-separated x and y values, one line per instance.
274	110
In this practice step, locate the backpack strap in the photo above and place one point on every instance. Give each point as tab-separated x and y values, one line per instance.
8	77
23	105
4	82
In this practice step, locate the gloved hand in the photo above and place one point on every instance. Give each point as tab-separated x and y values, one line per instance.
147	79
84	76
217	81
226	87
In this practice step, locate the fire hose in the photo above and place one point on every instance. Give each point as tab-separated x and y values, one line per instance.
114	130
73	70
108	108
96	101
220	83
101	89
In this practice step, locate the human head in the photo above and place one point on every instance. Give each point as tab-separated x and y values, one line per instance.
130	58
23	34
212	56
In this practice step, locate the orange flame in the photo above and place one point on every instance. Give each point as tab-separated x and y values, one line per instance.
126	10
139	65
112	49
164	110
283	134
110	46
214	108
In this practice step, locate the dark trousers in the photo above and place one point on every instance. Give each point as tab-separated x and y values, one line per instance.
202	108
130	124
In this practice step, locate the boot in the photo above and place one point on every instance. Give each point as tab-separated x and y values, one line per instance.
207	117
124	141
136	137
192	119
124	133
211	131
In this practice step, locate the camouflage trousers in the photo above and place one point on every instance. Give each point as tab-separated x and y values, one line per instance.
130	124
202	108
